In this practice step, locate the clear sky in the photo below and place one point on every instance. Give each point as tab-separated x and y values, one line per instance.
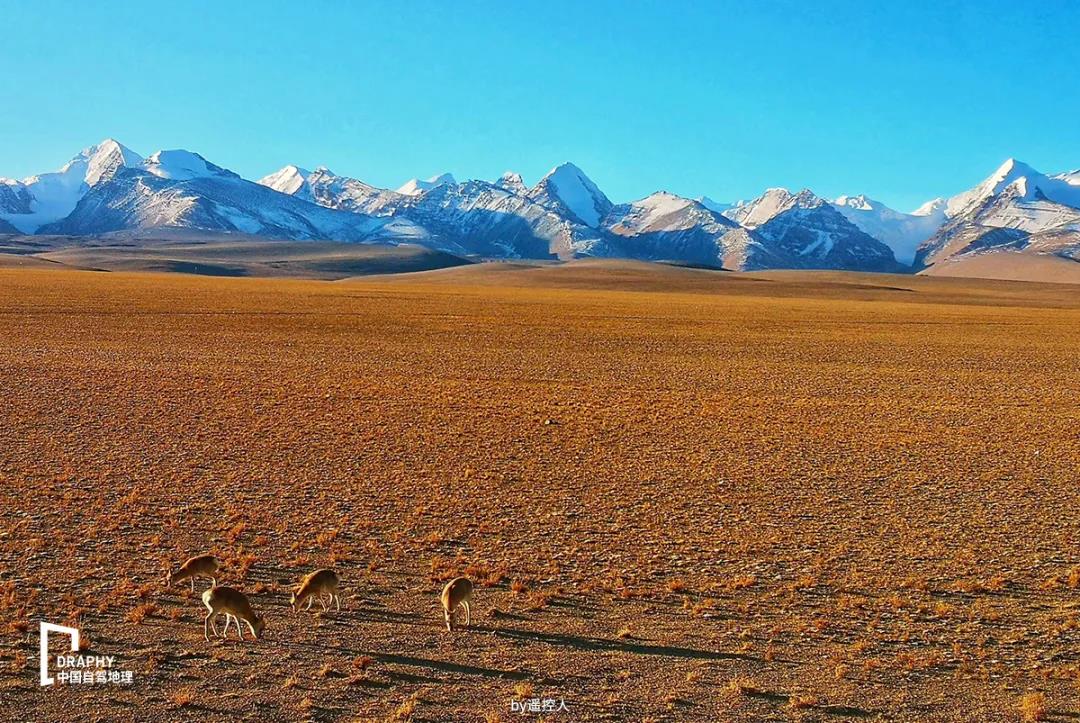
900	100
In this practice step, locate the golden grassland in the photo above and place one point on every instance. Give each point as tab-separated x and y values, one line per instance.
683	494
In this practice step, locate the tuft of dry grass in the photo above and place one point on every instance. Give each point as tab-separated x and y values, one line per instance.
234	532
407	709
802	702
1033	707
182	697
141	612
741	685
741	582
538	600
677	586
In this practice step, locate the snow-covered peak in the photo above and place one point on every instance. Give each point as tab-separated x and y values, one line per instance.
289	179
1012	169
1070	177
862	205
771	204
415	186
90	166
99	162
1007	173
325	188
664	218
714	206
51	196
901	232
860	202
1023	181
569	185
511	181
808	199
180	165
658	205
933	207
761	209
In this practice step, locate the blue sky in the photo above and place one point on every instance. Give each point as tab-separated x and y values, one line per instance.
903	101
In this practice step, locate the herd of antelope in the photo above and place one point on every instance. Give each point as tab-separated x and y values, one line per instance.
321	584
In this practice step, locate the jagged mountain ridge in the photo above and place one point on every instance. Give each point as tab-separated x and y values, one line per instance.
324	188
666	227
110	188
416	186
567	191
566	215
1016	209
806	231
181	189
38	200
482	218
473	218
902	232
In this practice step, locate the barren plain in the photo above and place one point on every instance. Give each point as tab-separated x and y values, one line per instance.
683	494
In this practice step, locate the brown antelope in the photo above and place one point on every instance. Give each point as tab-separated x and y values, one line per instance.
235	606
199	566
457	593
317	584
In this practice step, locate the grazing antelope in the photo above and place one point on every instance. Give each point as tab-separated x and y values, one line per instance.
317	584
199	566
457	593
235	606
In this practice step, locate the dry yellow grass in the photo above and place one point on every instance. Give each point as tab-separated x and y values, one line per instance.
850	490
1033	707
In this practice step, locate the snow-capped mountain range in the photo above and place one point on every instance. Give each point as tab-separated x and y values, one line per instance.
39	200
903	232
1017	209
109	188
